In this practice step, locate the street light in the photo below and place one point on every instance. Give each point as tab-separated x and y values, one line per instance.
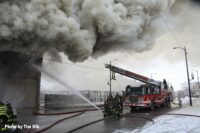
111	76
188	78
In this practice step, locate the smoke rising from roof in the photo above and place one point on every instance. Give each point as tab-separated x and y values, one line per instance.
79	28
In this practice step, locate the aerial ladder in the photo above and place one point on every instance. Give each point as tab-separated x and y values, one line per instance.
132	75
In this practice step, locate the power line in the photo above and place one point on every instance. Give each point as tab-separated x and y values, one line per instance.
169	30
167	27
76	65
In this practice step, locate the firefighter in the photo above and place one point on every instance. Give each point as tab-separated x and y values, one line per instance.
106	109
118	106
108	106
7	117
120	99
3	117
180	102
115	109
3	113
11	115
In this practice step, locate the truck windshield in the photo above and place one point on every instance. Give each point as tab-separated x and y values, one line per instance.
134	90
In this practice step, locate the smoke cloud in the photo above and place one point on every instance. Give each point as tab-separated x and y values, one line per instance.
79	28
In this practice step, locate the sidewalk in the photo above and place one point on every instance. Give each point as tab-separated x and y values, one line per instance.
175	122
192	110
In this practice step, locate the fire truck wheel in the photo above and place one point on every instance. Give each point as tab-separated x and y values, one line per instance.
152	106
167	103
132	108
163	104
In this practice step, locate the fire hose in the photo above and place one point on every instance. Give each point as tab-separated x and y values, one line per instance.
80	112
96	121
149	119
55	123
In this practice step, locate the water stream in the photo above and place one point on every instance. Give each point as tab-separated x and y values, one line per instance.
64	84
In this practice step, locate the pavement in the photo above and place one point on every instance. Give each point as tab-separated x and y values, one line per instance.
192	110
133	120
164	120
184	120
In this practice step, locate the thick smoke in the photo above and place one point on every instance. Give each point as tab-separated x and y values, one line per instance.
79	28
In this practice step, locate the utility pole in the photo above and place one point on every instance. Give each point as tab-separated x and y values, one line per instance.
111	78
188	78
185	51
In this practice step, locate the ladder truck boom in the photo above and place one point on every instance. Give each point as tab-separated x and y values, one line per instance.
132	75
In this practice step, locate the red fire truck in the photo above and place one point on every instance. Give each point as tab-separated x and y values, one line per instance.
153	93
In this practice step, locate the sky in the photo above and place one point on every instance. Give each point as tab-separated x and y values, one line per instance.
179	27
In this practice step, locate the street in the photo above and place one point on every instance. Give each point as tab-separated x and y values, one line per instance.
131	121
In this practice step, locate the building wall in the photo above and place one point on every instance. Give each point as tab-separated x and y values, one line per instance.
19	81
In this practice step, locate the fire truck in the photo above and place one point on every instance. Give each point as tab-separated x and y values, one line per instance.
149	95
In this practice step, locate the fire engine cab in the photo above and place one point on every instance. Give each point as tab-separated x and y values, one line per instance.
149	95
